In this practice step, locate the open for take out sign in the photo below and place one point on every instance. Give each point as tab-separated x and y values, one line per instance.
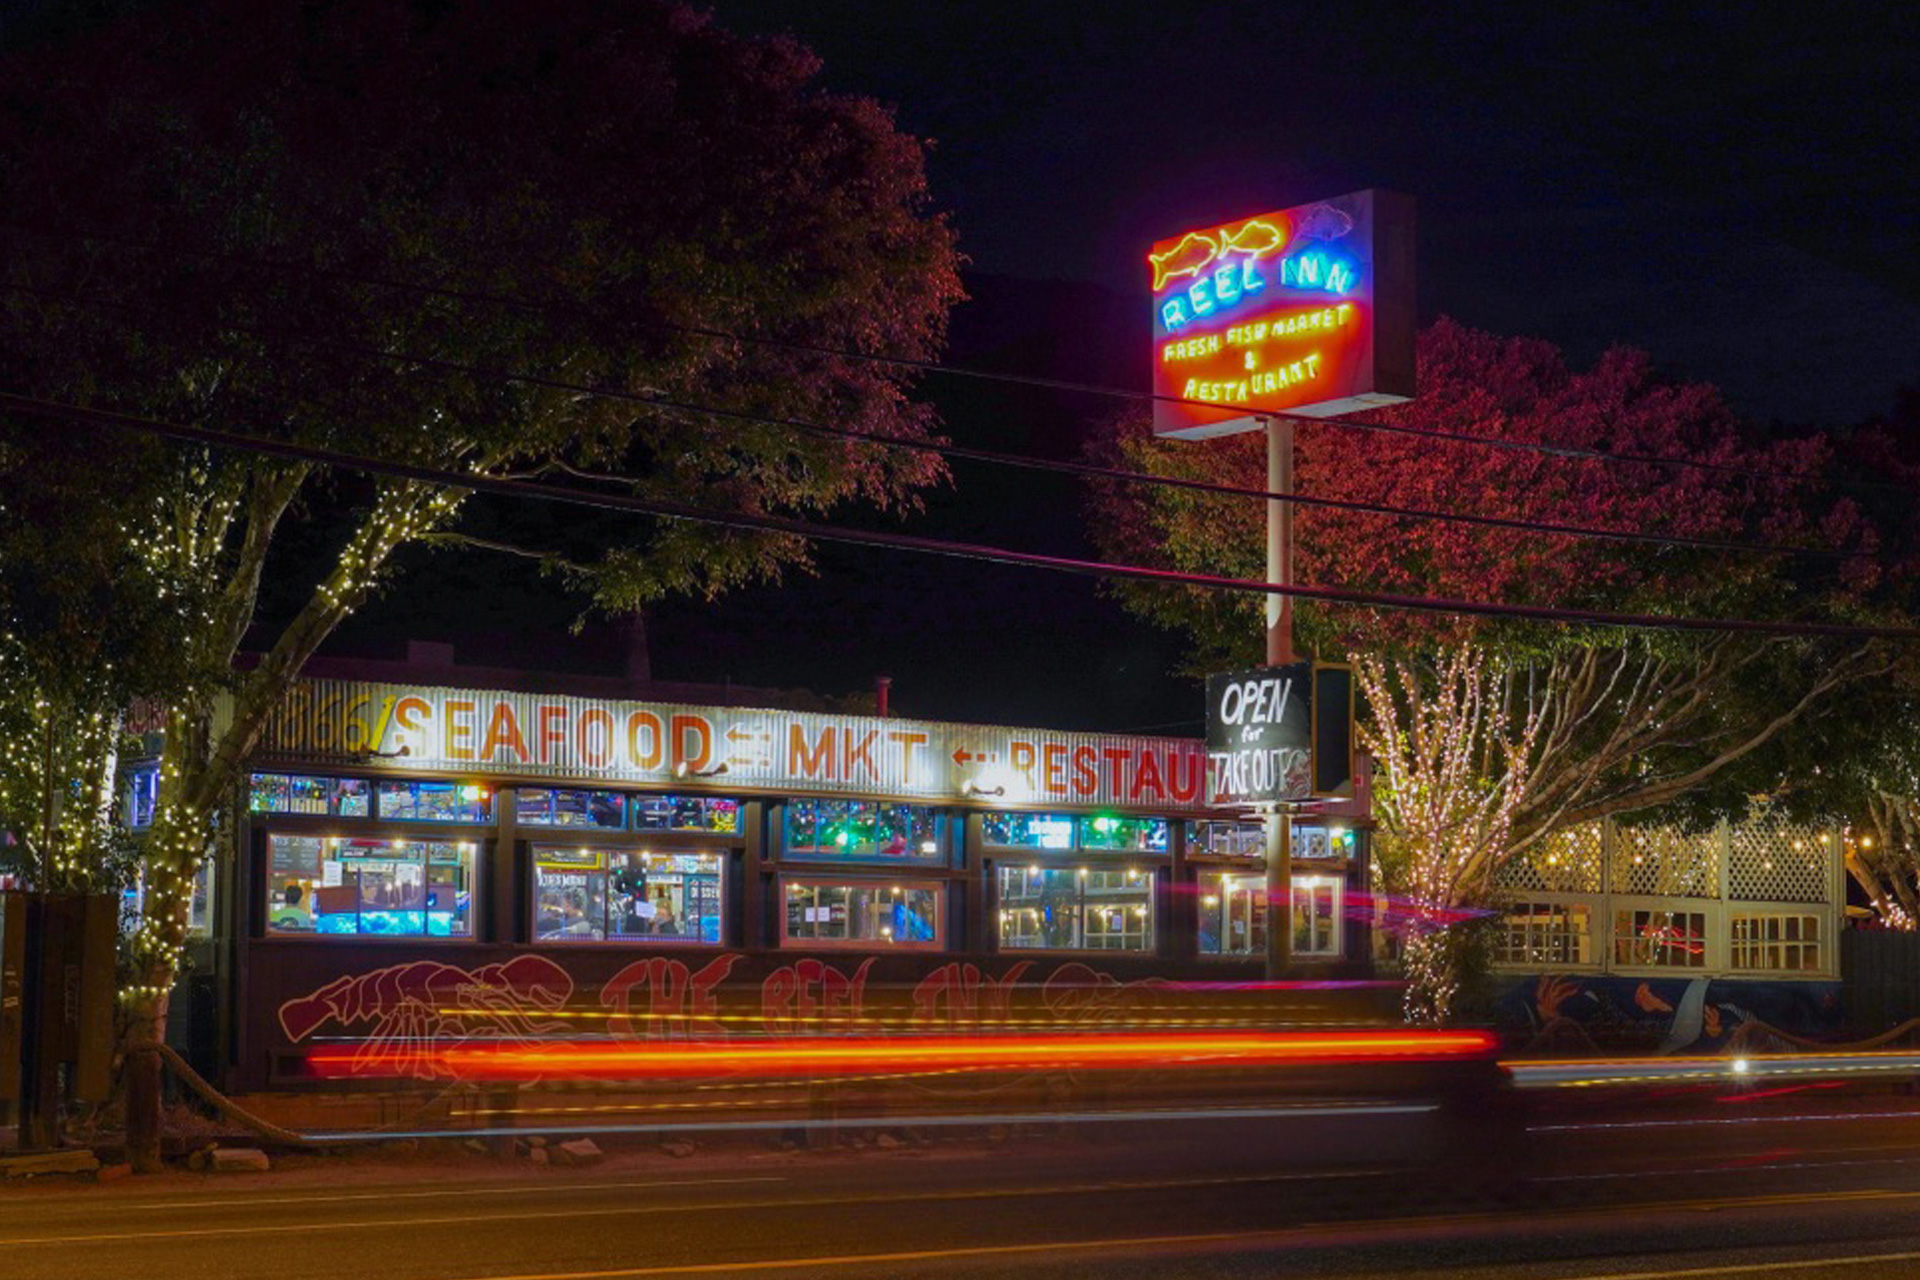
1260	735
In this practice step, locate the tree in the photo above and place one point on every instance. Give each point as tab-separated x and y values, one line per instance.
90	629
1858	764
326	223
1492	734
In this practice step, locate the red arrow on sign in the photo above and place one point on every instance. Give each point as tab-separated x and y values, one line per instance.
962	755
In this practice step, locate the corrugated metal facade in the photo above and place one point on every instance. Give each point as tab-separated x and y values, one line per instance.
412	729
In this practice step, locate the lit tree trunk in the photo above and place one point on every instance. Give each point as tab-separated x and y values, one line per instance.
1455	765
201	767
1882	861
1481	758
177	844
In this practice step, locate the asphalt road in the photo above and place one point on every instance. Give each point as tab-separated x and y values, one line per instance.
1807	1184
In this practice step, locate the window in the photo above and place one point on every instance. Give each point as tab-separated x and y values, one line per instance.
627	895
1660	939
534	807
1233	915
1075	909
392	888
305	793
1545	933
143	793
1249	840
686	813
848	829
863	914
435	802
1227	839
1786	941
1066	832
1133	835
1027	830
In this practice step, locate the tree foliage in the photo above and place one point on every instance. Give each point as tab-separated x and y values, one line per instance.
336	223
1513	390
1492	733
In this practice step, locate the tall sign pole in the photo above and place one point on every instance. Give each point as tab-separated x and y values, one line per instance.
1307	310
1279	817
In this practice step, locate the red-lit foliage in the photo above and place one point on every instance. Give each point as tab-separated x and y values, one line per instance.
1484	387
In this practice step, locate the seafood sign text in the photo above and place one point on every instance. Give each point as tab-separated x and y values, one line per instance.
465	731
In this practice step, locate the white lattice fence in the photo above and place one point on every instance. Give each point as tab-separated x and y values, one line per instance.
1773	860
1665	862
1564	862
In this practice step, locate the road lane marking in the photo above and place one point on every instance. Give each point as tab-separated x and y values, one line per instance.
905	1255
934	1196
1248	1239
1695	1122
518	1188
781	1124
1741	1269
642	1210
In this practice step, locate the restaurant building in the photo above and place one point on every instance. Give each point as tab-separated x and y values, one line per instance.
427	860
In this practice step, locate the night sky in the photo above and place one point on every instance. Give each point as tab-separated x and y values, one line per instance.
1734	192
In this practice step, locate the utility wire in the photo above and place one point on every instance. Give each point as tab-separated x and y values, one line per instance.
88	416
1086	469
922	365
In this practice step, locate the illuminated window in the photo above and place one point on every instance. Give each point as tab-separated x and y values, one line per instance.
1249	840
1545	933
383	888
863	830
143	793
1660	939
1787	941
535	807
686	813
1233	915
305	793
627	895
871	914
1075	908
1027	830
1133	835
1065	832
435	802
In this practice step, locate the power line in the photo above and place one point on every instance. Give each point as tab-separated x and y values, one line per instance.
88	416
1091	470
923	365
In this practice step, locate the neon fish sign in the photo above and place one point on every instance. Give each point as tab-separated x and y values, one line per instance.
1308	309
1231	284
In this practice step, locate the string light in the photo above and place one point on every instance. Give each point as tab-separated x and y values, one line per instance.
1454	767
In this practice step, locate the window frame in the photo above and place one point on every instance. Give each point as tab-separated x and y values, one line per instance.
1597	912
623	798
1074	865
1334	856
489	795
477	847
1776	913
918	864
722	877
331	814
1234	871
938	887
636	800
1078	846
1619	905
